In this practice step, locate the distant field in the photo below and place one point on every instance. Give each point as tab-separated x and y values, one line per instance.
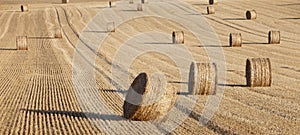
38	94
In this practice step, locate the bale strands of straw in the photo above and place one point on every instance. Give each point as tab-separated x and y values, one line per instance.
258	72
211	2
144	1
24	8
210	10
130	1
111	4
235	40
251	14
274	37
21	43
148	98
203	79
65	1
178	37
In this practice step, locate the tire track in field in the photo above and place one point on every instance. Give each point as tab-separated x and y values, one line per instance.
68	24
102	72
6	25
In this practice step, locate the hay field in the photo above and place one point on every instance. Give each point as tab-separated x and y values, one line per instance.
39	88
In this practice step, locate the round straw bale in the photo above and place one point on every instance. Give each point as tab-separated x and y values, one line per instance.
274	37
111	4
211	2
178	37
130	1
21	42
251	14
24	8
235	39
139	7
148	98
210	10
65	1
203	79
58	33
111	27
258	72
144	1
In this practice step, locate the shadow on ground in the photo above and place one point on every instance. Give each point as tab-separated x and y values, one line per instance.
114	91
257	43
87	115
233	85
96	31
158	43
290	4
8	49
41	38
290	68
212	125
210	46
234	19
295	18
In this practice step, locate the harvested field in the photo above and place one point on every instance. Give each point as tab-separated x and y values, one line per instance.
49	88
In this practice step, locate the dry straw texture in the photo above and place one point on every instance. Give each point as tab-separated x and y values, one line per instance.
24	8
210	10
211	2
58	33
178	37
274	37
251	14
258	72
65	1
203	79
139	7
21	42
148	98
111	27
235	39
